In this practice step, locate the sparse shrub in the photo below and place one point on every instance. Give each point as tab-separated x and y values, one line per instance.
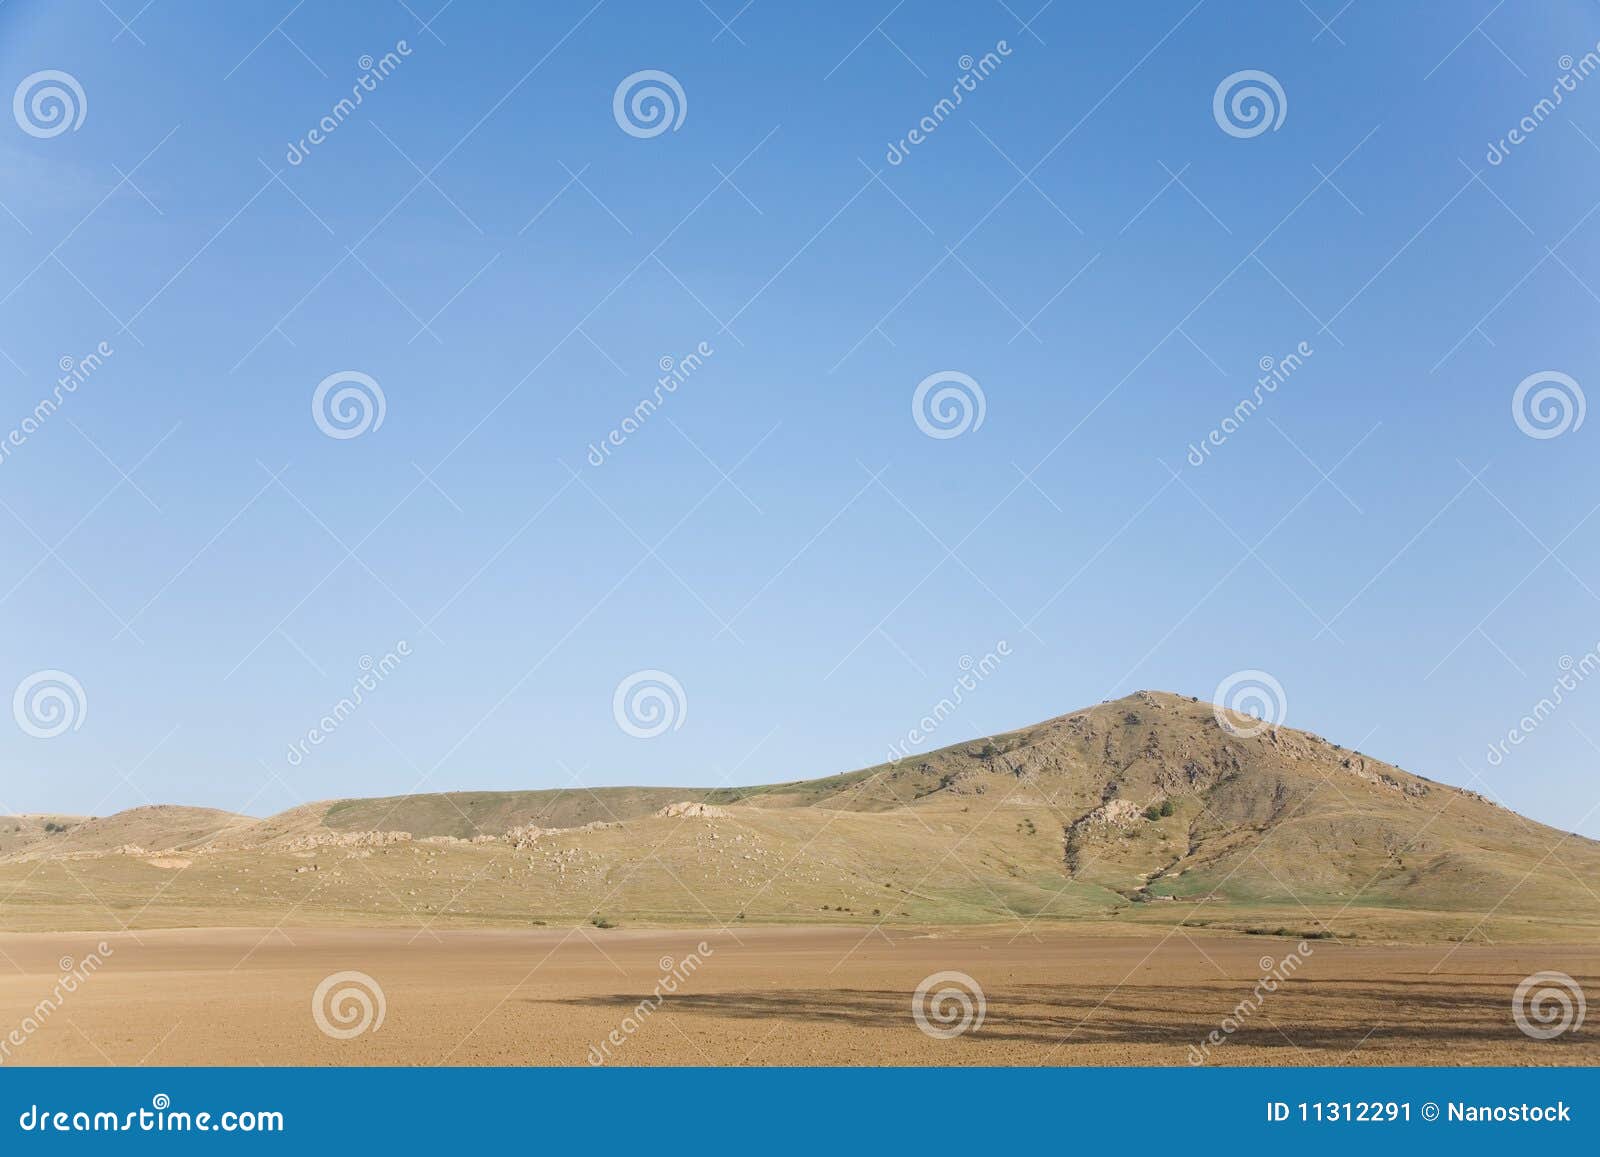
1166	807
602	922
1152	812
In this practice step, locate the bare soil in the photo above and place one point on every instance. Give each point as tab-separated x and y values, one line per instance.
1085	995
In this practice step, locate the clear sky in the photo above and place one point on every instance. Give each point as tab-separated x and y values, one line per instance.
1080	237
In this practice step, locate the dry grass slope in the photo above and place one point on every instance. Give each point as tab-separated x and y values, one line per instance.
1144	810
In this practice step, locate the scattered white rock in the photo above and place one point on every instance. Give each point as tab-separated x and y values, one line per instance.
524	836
345	840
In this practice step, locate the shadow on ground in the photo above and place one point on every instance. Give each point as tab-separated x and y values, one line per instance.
1326	1014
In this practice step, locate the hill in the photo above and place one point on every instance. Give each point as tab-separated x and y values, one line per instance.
1150	808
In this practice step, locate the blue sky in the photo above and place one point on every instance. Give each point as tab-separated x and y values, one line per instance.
1080	237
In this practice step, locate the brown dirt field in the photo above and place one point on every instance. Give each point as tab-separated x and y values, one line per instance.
774	996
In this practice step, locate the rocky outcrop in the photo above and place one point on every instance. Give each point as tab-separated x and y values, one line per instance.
687	808
1357	766
1115	813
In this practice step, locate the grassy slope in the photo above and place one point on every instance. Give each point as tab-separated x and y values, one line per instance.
1278	830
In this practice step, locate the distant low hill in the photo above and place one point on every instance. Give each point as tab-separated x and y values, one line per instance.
1147	808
